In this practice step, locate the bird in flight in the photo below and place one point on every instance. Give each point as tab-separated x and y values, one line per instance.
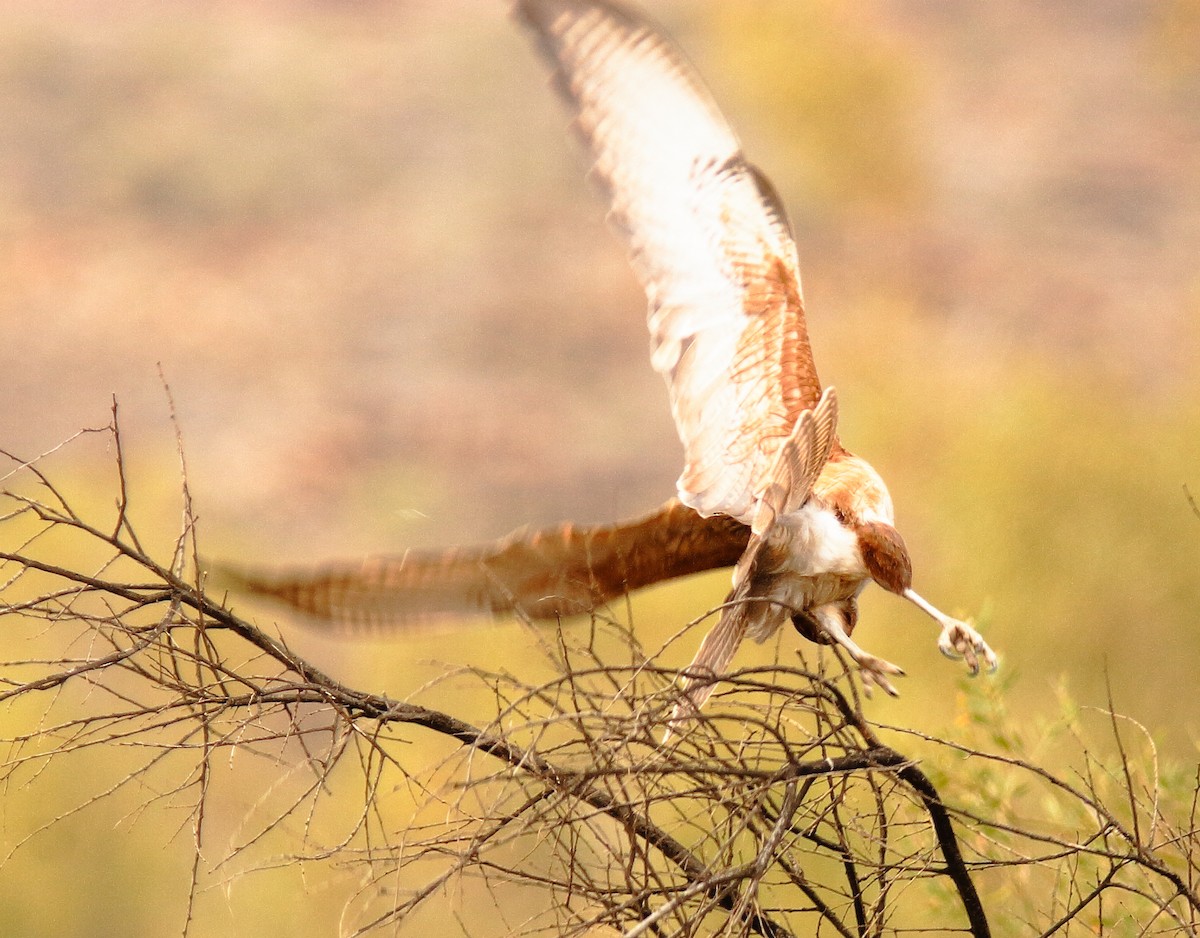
767	486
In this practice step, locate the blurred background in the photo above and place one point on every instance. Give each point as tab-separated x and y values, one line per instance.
357	239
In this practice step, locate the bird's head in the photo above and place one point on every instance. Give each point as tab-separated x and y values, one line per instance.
856	493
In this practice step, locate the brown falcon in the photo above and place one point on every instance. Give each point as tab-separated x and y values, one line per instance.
766	485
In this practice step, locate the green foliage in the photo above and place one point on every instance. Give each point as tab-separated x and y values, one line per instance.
1079	802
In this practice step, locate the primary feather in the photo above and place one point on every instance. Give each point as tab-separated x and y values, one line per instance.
708	240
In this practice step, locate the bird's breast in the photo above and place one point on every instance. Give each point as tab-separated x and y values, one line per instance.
810	559
792	592
812	542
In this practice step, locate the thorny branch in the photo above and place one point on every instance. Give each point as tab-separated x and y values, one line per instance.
781	812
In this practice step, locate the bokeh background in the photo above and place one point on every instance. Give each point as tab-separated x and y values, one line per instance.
356	238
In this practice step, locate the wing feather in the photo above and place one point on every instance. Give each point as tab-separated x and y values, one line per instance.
708	240
700	678
543	574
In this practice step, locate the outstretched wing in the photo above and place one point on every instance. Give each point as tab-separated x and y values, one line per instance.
708	240
541	574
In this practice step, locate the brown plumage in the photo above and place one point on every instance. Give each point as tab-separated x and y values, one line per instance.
766	484
541	574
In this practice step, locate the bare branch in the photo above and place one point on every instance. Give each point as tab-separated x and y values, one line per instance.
781	811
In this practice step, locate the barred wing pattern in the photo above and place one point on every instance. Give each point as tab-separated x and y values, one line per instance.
708	239
542	574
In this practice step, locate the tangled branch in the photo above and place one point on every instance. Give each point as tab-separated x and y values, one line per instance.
782	812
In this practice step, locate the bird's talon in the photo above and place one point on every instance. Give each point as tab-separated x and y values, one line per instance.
961	641
875	672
